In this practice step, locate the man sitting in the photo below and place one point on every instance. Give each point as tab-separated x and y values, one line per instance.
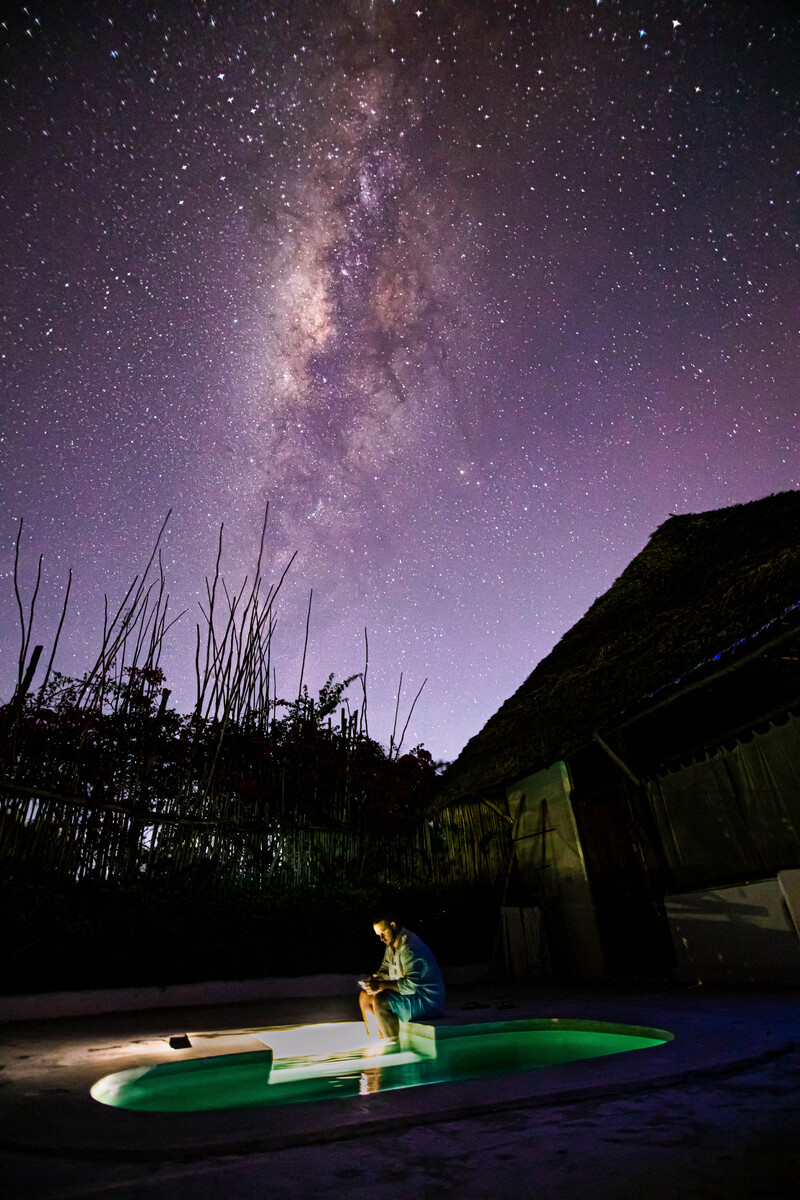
408	984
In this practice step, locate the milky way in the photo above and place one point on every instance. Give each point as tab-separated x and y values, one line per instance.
350	391
473	294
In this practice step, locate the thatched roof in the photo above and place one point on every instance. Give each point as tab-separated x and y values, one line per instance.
702	592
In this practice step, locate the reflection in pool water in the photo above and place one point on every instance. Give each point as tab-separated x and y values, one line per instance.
324	1062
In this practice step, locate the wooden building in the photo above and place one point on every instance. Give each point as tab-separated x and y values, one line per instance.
650	765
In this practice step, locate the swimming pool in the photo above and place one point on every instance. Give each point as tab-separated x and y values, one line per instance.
298	1064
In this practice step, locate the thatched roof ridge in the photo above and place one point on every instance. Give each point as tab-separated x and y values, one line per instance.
705	584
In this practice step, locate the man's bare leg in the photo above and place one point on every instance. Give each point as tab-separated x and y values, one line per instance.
367	1005
388	1022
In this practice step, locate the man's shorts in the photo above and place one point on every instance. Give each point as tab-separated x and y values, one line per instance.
412	1007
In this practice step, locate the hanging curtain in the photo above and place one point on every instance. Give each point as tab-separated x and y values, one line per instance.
736	814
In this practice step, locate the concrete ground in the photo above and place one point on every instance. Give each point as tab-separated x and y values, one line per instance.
714	1113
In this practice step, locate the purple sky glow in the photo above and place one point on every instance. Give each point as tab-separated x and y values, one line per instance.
474	293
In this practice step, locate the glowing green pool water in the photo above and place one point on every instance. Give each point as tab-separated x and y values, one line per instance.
300	1067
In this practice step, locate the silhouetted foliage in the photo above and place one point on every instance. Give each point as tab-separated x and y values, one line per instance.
103	785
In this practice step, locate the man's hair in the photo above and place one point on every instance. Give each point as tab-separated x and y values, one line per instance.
387	918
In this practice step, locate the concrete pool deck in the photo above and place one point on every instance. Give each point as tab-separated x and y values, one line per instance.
47	1113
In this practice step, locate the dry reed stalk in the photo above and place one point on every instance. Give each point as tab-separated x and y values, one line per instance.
25	632
305	646
116	633
408	718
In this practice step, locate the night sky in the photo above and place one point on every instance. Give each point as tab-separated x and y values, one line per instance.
475	294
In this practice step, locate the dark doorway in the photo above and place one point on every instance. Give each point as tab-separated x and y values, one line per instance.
623	865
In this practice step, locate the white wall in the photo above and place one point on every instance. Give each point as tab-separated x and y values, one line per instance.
741	934
568	905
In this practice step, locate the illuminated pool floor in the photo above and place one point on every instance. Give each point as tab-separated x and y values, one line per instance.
327	1062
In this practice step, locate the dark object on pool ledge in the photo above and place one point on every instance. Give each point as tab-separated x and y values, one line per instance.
180	1041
